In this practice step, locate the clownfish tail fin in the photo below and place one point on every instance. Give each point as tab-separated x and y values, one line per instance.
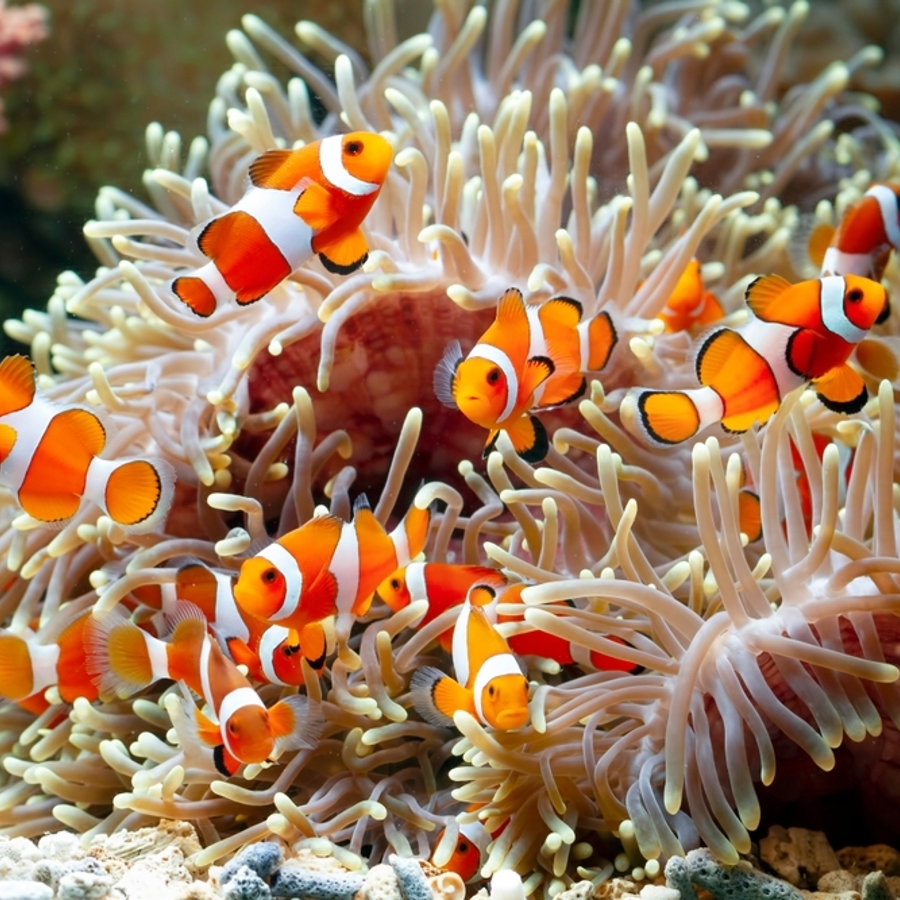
436	696
664	418
807	246
16	677
134	493
118	655
445	374
296	723
602	339
17	384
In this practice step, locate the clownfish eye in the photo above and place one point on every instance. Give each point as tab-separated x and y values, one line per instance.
269	576
493	376
463	847
855	295
232	728
395	584
353	148
491	691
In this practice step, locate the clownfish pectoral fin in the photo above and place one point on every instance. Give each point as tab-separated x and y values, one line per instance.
710	310
445	375
529	438
195	294
343	255
296	723
17	385
8	437
490	444
207	730
437	696
667	417
537	370
764	295
749	514
316	206
842	390
318	601
563	312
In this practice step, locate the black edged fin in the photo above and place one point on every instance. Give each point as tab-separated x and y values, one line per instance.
337	269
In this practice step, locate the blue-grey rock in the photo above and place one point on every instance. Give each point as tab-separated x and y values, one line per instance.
292	881
413	883
245	884
262	858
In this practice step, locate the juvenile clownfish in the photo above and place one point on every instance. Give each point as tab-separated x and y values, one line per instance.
50	459
862	241
533	357
271	653
125	659
327	567
690	307
442	584
489	682
300	203
28	667
798	334
470	853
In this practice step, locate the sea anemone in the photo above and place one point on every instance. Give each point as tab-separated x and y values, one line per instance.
554	154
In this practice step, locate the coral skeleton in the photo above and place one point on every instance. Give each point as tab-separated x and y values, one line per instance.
591	159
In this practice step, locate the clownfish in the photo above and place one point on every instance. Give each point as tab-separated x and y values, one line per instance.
533	357
797	334
50	459
124	659
271	653
690	306
328	567
470	853
300	203
442	584
28	667
862	241
489	682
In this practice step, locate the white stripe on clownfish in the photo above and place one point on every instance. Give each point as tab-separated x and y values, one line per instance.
770	341
284	561
493	667
890	214
344	566
273	637
834	316
231	703
496	356
460	649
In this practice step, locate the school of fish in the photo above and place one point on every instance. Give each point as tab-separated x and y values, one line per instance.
291	608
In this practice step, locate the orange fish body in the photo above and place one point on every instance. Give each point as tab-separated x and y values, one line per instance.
300	203
489	683
327	567
442	584
690	307
533	357
798	334
28	668
124	659
470	853
50	459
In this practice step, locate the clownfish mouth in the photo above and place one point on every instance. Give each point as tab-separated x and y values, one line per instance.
511	719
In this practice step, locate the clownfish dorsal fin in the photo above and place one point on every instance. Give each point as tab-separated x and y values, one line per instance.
842	390
360	503
763	294
529	438
207	730
437	696
274	170
196	584
511	309
240	653
8	437
563	312
296	723
344	254
317	207
445	375
17	384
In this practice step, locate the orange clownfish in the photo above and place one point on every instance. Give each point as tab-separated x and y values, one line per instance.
863	240
533	357
28	667
470	853
300	203
798	334
442	584
689	306
124	659
327	567
489	681
50	459
271	653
